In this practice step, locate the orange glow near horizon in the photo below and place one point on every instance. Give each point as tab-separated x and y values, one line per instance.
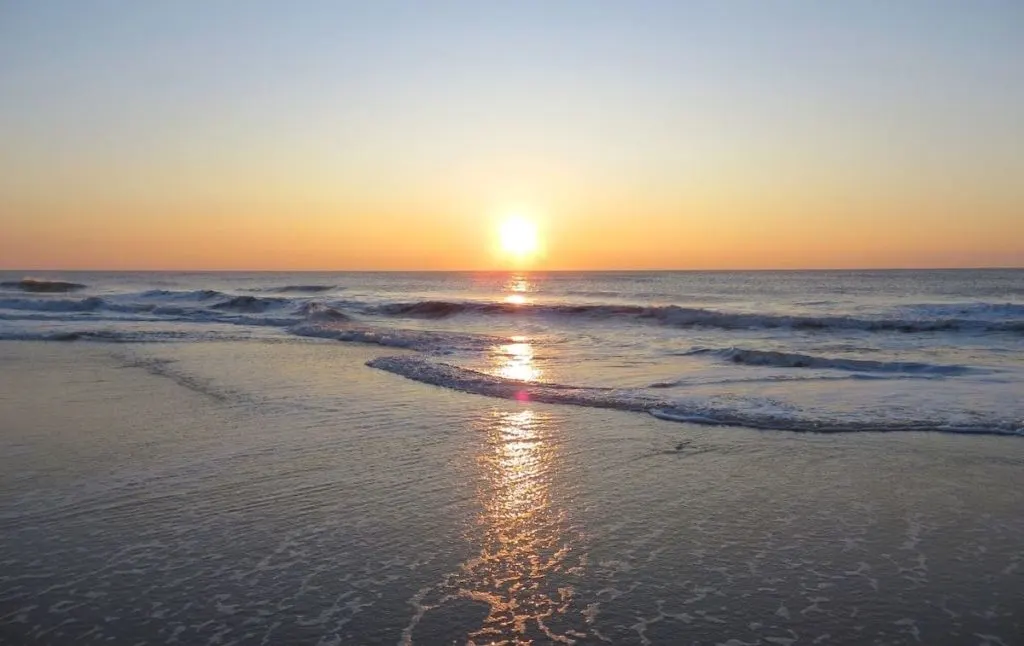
637	136
84	235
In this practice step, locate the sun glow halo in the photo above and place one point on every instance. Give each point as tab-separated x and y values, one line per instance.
518	237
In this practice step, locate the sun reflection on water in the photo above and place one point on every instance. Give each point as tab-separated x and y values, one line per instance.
527	562
515	360
530	556
519	283
517	289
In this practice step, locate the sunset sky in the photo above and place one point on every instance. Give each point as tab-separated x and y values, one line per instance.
401	135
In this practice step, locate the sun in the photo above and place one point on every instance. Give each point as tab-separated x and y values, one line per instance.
518	237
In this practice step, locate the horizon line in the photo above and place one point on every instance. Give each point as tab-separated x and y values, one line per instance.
509	270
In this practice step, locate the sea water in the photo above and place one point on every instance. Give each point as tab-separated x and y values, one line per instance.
509	458
825	351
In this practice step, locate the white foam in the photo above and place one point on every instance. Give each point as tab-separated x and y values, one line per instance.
763	413
434	342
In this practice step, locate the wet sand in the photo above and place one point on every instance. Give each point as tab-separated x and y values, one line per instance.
285	493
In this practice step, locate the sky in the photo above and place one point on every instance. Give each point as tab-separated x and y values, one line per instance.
738	134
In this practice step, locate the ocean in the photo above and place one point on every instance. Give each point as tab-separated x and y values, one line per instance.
827	457
814	351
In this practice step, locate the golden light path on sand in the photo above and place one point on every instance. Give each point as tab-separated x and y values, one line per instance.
527	556
524	558
530	554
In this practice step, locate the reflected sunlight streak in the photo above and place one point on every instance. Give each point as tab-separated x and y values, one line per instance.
522	570
520	286
531	556
516	361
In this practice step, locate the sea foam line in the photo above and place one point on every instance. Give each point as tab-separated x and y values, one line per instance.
470	381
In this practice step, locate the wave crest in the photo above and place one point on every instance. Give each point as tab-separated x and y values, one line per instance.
685	317
195	294
969	310
89	304
103	335
479	383
247	304
434	309
321	312
300	289
775	359
431	342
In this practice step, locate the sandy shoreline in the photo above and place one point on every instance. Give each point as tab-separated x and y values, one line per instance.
284	492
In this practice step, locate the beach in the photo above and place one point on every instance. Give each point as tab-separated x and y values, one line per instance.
284	492
511	323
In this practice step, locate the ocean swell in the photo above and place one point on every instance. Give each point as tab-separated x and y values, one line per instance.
321	312
89	304
299	289
980	318
195	294
983	310
247	304
104	336
774	359
685	317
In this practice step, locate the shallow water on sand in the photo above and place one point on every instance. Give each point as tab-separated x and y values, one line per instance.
282	492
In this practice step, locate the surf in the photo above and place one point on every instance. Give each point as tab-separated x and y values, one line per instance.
699	317
453	377
778	359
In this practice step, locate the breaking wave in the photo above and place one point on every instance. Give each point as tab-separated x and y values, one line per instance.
442	309
678	316
968	318
431	342
248	304
470	381
89	304
479	383
321	312
40	286
110	336
195	294
200	306
776	359
970	310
